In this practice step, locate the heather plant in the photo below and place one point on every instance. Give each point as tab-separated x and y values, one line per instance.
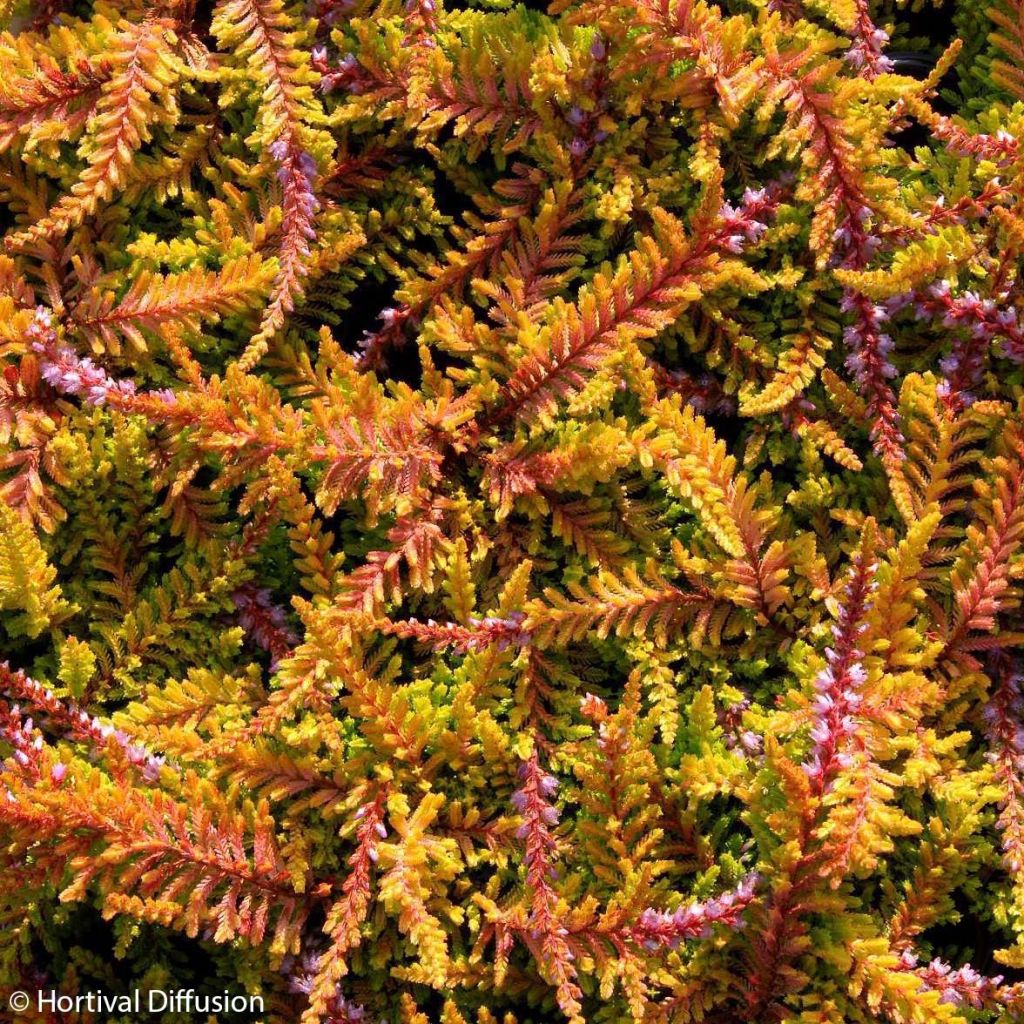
513	515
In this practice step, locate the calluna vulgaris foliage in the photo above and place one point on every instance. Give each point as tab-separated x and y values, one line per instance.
514	515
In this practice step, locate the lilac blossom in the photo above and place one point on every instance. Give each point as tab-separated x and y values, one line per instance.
743	742
505	632
67	372
869	352
296	172
301	977
664	929
979	322
746	223
346	75
531	798
959	986
867	54
19	733
1002	148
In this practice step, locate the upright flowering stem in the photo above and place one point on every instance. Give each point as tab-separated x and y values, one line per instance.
533	801
296	171
838	684
346	917
837	699
869	362
855	243
1004	718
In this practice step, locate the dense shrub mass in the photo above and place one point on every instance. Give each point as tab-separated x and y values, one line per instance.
513	515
